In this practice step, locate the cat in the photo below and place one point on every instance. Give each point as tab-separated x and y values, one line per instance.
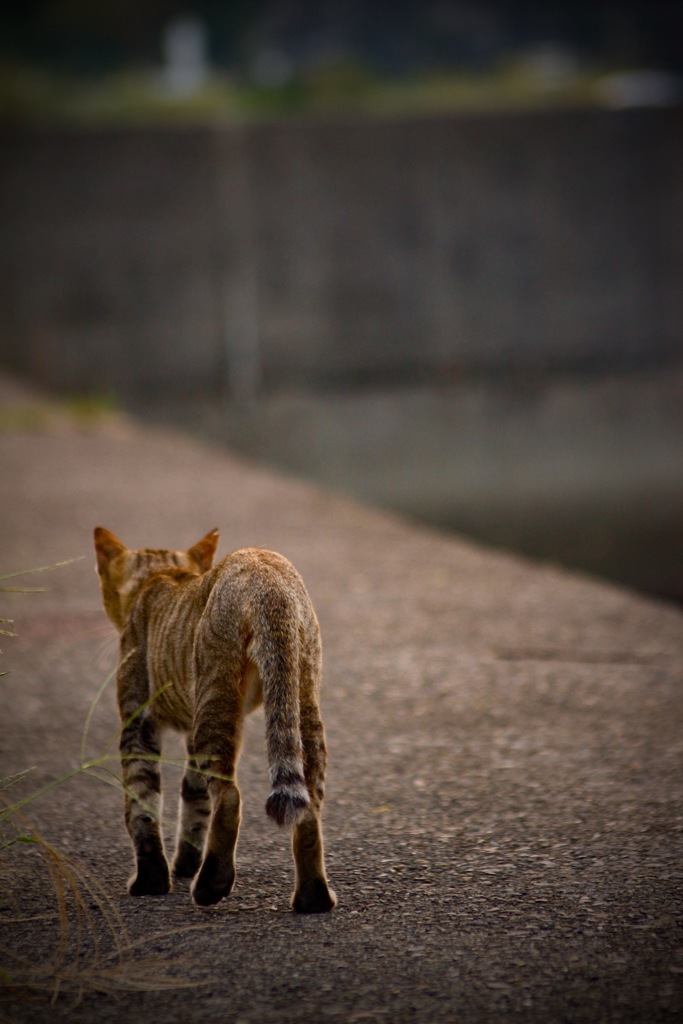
200	648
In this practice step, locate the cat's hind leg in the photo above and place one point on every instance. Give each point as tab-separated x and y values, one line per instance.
216	741
193	819
216	878
312	894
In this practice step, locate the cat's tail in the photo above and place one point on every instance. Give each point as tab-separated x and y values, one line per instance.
277	662
288	801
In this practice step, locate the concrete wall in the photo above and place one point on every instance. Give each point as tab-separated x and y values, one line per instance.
316	254
111	259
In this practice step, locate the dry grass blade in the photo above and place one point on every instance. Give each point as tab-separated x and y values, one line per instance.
92	950
40	568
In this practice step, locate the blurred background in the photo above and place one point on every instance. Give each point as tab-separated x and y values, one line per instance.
426	253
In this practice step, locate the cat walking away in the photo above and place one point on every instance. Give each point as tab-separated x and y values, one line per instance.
200	648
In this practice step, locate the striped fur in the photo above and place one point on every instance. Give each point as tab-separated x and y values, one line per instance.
200	648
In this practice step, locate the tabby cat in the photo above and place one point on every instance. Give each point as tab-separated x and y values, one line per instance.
200	648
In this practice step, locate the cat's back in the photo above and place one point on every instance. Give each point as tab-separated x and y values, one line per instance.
255	587
253	572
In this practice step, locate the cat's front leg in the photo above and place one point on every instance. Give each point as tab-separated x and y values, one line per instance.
140	750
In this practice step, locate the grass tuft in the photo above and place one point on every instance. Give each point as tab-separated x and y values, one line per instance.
92	951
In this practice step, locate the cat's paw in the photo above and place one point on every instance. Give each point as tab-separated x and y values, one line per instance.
187	861
314	897
150	880
215	881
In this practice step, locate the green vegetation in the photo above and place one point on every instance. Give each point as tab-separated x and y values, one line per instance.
84	412
139	98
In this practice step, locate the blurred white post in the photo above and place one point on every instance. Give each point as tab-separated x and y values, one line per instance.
186	63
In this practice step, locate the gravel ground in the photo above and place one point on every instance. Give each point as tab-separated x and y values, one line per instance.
504	820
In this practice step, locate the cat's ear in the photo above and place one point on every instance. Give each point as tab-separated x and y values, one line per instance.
107	547
203	551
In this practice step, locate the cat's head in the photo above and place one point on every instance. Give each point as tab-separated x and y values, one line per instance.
122	571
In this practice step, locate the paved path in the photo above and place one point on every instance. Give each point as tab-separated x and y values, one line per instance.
504	818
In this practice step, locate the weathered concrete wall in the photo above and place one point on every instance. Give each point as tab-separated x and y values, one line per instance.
474	243
111	259
303	254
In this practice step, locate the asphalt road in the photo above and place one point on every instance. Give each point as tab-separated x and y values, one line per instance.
504	819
